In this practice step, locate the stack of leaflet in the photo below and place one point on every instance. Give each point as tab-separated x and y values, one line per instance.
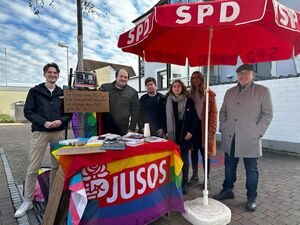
94	140
115	143
133	139
74	142
153	139
133	142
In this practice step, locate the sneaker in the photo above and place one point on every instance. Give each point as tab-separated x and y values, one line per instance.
26	205
193	181
251	206
224	194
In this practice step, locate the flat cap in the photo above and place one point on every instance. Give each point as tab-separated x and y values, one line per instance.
244	67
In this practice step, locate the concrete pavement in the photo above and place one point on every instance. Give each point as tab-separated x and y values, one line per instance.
277	204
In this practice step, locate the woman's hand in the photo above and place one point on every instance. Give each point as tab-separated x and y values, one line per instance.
188	136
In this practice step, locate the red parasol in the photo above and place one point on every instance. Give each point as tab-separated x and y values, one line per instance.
215	33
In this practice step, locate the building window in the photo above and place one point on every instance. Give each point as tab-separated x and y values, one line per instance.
141	67
162	81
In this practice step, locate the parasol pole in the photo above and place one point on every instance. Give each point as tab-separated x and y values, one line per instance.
205	191
198	211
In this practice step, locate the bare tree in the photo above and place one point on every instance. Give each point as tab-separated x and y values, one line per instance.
87	6
83	6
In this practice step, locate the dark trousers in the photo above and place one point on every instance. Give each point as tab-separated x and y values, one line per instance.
195	159
197	144
252	174
185	168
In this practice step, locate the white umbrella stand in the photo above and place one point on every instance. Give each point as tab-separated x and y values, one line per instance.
204	210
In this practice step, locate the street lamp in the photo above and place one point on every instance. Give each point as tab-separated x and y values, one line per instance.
5	54
67	47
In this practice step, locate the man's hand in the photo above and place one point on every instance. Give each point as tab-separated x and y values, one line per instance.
48	124
160	133
56	123
53	124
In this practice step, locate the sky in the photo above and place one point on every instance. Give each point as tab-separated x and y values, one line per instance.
31	41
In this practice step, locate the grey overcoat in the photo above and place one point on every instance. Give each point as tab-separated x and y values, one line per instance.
245	113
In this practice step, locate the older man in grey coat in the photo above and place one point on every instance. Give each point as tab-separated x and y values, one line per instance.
245	115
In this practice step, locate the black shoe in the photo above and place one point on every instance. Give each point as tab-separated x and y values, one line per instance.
224	194
184	189
251	206
193	180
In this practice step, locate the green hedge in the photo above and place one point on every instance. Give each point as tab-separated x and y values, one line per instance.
5	118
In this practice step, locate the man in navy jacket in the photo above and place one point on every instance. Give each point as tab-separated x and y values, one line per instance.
44	109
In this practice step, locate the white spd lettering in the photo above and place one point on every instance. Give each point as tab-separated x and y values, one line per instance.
139	32
185	15
235	11
203	11
207	10
288	16
130	37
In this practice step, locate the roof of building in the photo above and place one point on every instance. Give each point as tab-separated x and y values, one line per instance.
161	2
90	65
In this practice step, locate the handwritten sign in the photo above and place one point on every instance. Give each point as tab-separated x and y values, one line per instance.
86	101
79	150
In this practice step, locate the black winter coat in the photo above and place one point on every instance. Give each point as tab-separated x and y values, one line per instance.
189	122
152	111
42	106
123	104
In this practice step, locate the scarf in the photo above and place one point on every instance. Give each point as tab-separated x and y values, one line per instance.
181	99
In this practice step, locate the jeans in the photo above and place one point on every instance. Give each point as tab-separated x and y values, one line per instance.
250	164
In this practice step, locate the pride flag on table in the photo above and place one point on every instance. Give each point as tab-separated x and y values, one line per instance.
143	188
78	200
135	187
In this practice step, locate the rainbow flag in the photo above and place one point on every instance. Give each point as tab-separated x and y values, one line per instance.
89	124
135	190
135	187
78	200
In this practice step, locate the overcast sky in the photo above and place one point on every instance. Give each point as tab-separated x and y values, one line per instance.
31	41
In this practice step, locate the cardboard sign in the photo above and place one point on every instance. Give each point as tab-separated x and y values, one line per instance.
54	198
79	150
86	101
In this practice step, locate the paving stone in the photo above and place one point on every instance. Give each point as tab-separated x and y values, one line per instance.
258	220
271	220
245	221
278	192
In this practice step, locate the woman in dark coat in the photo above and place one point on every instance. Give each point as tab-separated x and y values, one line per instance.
181	123
197	92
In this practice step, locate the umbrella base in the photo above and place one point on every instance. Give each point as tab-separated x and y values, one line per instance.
215	213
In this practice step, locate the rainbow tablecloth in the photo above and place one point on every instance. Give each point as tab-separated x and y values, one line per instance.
134	186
